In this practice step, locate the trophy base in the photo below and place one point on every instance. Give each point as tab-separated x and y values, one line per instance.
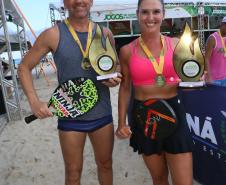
106	77
191	85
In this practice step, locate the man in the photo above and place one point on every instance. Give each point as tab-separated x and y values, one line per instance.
97	123
215	56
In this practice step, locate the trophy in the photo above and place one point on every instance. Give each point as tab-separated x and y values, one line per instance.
188	64
103	61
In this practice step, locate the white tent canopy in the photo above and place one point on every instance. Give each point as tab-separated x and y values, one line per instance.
104	5
56	6
17	19
11	9
125	4
103	9
101	5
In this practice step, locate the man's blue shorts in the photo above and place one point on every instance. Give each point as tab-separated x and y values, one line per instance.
84	126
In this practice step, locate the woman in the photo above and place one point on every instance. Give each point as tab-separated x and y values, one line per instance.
175	151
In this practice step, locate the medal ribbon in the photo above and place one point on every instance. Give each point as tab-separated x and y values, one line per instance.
85	54
158	69
222	41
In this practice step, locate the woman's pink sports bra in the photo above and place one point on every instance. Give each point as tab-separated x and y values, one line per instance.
142	71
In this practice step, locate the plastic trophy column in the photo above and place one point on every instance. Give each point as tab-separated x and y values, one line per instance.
104	62
188	64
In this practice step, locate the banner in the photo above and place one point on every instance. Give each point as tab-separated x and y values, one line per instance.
206	117
179	12
116	15
180	22
195	23
215	22
215	11
120	27
166	25
130	14
136	27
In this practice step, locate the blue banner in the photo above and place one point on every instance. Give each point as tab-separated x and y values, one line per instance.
206	117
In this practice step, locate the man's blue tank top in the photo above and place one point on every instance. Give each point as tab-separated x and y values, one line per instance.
68	58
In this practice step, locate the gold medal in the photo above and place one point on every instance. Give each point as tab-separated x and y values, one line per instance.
86	65
160	80
224	54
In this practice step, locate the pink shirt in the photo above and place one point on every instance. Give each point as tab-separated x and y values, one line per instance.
217	59
142	71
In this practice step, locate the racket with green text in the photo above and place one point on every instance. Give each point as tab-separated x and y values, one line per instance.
155	119
72	98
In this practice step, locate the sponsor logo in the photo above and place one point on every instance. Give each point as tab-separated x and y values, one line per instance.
99	14
221	50
206	136
194	67
62	93
62	109
191	69
219	11
112	16
64	105
105	63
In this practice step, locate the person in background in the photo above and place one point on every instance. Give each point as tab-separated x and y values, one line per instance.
5	66
97	123
174	153
215	56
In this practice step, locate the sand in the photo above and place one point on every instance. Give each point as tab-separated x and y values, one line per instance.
30	154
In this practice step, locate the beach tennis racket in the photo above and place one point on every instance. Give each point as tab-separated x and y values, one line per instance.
155	119
72	98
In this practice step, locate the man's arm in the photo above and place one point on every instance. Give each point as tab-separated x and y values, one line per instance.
42	46
210	44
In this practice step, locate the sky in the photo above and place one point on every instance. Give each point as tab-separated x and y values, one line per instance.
37	13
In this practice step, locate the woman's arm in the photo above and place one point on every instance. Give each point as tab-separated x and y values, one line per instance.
124	92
